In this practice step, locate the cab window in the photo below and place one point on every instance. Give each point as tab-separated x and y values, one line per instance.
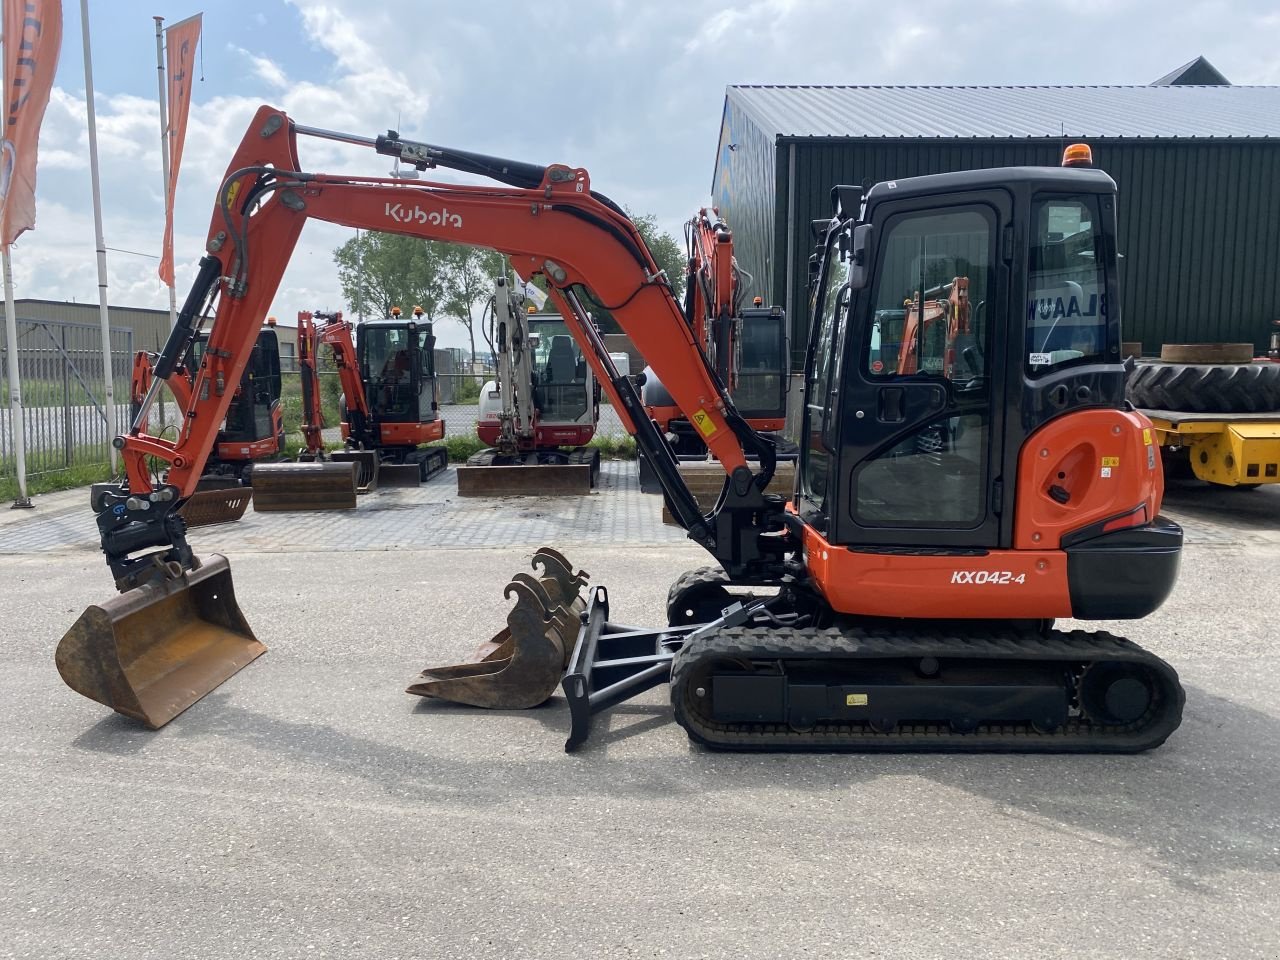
1066	304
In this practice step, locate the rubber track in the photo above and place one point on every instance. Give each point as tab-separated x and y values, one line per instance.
1078	735
1205	387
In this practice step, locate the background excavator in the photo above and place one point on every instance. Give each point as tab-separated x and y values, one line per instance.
745	345
541	410
390	405
253	429
901	599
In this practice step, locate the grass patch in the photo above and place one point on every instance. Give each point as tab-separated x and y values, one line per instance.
615	448
460	446
80	475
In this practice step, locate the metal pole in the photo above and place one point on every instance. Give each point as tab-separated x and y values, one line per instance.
16	420
104	317
164	150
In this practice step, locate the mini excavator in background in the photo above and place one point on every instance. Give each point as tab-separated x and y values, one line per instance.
539	413
746	346
390	406
252	430
901	599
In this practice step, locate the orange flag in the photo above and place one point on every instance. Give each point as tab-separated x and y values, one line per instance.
32	41
180	50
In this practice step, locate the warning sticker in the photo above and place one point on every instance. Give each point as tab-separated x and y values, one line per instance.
702	420
1111	461
1151	458
1106	471
855	700
1146	437
1039	359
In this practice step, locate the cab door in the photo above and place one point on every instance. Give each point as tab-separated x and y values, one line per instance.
920	416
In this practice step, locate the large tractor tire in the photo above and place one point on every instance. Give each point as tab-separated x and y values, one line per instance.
1205	387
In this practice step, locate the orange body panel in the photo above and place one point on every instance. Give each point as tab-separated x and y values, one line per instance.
233	452
1104	460
410	434
1004	584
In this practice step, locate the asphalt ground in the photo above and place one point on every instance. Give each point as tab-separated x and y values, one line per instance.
310	808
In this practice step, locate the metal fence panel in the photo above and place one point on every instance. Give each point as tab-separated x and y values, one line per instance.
65	421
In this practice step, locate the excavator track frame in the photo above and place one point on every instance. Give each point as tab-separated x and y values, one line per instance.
767	657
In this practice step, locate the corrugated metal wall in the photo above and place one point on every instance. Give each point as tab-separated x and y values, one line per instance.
1199	223
743	190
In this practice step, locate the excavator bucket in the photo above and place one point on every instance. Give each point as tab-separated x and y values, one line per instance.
153	651
368	465
322	485
522	665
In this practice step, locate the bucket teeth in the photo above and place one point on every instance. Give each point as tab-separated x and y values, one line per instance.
522	665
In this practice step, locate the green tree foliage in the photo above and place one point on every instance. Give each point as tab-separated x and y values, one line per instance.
379	271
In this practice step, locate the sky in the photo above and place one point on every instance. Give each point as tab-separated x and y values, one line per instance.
633	91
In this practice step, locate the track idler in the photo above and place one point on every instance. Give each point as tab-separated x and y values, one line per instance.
522	665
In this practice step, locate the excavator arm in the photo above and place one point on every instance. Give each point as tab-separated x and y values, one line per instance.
547	220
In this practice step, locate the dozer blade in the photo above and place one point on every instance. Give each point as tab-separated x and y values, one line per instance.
368	465
224	505
304	486
526	480
399	475
522	666
153	651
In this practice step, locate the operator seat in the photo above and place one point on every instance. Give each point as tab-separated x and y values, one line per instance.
562	360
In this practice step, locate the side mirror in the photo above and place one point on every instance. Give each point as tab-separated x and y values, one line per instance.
859	256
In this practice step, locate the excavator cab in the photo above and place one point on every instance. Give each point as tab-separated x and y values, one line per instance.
397	366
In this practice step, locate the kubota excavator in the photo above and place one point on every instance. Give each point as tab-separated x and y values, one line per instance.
539	413
901	599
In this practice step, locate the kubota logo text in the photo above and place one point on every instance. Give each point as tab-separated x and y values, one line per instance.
439	218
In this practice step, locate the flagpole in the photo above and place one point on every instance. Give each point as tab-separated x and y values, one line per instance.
104	316
164	151
15	388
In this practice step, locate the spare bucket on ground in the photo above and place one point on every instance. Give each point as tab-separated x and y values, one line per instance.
522	665
322	485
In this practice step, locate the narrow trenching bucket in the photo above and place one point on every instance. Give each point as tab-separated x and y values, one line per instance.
155	650
321	485
522	665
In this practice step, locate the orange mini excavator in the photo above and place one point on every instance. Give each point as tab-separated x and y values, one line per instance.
746	346
390	402
902	598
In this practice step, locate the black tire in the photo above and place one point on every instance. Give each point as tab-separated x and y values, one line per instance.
1205	387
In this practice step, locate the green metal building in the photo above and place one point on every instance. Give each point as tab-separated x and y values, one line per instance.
1198	168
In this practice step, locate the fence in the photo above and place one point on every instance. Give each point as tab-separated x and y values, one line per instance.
65	422
459	399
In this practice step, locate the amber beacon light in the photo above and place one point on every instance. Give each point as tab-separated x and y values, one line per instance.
1077	155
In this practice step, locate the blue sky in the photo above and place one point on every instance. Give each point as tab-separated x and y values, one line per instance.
631	90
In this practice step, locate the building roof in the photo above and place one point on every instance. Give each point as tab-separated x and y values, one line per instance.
1130	112
1197	71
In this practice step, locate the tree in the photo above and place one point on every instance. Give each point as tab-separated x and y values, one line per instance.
469	273
379	271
